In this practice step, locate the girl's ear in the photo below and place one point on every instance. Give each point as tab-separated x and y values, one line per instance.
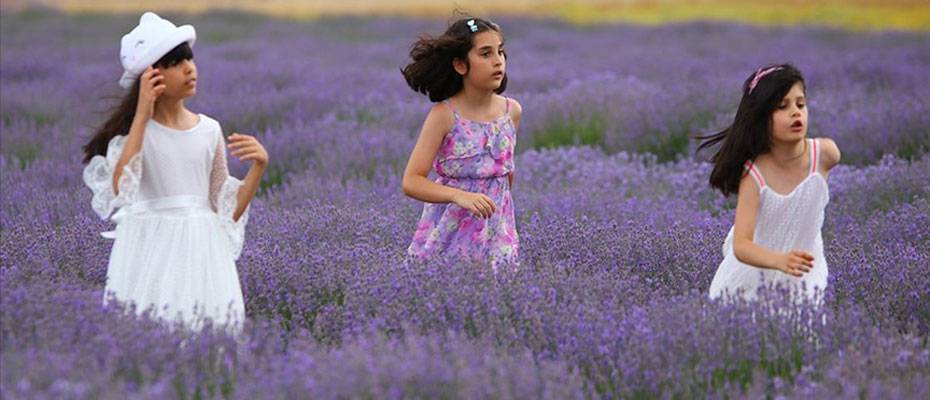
460	67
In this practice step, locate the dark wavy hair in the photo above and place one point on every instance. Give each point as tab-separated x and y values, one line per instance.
750	134
120	118
431	71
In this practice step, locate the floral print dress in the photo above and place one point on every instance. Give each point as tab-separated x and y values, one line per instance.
476	157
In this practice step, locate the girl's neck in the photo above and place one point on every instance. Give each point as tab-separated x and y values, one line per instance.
476	99
171	113
788	153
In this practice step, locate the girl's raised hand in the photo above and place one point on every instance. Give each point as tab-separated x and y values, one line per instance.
151	85
247	148
478	203
795	263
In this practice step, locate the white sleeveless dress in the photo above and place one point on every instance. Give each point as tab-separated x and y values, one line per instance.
175	240
784	223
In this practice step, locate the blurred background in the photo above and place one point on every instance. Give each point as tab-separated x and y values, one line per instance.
854	14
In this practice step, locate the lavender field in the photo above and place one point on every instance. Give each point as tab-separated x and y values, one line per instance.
620	232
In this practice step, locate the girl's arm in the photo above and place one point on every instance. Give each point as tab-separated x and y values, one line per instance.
247	148
150	87
794	263
515	114
829	154
415	182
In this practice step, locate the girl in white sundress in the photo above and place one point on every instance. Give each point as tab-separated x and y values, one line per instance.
180	216
779	176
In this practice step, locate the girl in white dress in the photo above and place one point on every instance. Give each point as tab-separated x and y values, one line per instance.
779	176
180	216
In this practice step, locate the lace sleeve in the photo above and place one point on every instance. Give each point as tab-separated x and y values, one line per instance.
98	176
223	191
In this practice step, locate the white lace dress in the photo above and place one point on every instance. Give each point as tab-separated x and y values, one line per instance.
175	239
784	222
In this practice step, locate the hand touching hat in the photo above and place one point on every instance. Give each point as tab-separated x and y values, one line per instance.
148	42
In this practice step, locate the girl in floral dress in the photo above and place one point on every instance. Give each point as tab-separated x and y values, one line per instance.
468	139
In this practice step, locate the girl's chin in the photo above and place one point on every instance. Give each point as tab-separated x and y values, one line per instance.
489	85
181	94
791	137
792	133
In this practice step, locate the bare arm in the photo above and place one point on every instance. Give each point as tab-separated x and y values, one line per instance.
829	154
150	87
132	146
415	182
795	262
247	148
515	114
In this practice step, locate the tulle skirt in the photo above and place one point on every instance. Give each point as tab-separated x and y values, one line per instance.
173	256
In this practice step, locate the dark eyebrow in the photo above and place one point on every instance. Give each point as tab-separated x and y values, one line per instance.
489	47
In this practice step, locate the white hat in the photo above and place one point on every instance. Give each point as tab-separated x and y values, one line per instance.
148	42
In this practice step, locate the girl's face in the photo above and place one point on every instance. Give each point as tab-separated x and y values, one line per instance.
789	121
180	79
486	61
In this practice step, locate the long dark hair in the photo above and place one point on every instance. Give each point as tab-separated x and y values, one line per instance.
749	135
121	116
431	71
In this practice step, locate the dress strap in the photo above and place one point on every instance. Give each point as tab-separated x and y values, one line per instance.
507	107
755	174
449	104
815	155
